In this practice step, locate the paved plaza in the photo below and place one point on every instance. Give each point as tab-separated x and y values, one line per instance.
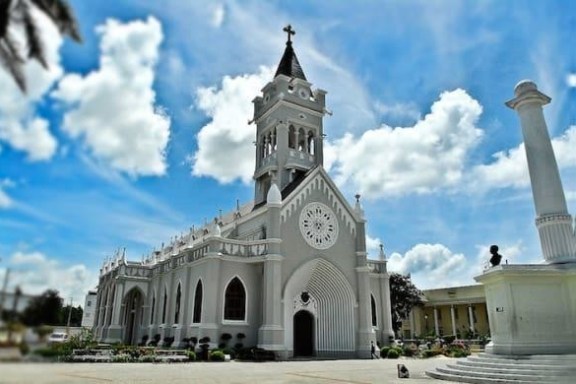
332	371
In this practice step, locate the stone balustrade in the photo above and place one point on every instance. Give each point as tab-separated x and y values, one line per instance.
376	266
212	245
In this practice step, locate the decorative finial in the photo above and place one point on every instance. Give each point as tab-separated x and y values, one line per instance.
382	255
288	29
357	196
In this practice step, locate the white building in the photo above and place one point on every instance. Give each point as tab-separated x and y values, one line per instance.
288	270
89	309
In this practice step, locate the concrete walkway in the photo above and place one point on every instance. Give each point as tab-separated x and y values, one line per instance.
332	371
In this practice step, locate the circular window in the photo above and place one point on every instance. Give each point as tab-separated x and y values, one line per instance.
303	93
318	225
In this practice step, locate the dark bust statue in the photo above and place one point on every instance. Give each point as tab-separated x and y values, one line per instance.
496	257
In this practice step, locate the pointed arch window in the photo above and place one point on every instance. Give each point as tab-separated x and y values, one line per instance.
153	309
111	309
197	315
373	307
235	301
164	305
177	306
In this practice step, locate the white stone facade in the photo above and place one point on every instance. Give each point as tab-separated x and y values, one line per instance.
289	271
89	313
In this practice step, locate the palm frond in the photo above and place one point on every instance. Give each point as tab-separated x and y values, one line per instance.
35	45
62	15
12	61
4	16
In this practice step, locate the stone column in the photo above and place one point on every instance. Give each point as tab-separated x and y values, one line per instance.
386	329
212	310
453	318
271	333
365	331
115	329
412	324
471	317
554	224
436	325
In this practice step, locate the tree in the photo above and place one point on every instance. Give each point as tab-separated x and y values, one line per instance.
17	13
75	316
403	297
44	309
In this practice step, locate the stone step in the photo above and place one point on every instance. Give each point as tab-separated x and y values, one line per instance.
510	365
527	357
545	360
555	371
487	368
474	380
488	375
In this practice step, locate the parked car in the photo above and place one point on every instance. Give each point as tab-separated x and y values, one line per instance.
57	338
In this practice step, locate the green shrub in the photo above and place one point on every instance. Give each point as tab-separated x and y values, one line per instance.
216	355
384	352
191	355
24	348
123	358
457	349
410	350
46	352
393	353
231	352
398	349
449	339
147	358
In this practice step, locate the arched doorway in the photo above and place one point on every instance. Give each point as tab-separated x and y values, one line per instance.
331	302
303	333
132	316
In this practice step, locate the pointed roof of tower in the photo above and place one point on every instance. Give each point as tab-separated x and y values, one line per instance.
289	64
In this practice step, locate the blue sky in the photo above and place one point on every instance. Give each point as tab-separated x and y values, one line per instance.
141	132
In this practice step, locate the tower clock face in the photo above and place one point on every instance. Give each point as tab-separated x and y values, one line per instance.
318	225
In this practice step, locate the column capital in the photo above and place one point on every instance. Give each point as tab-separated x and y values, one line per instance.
526	92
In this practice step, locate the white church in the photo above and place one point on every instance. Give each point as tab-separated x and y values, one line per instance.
289	270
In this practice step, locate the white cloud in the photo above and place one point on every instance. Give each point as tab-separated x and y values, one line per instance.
571	80
34	272
218	15
431	265
398	111
420	159
19	127
373	247
5	200
225	150
113	108
510	169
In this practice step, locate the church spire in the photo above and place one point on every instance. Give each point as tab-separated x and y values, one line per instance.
289	64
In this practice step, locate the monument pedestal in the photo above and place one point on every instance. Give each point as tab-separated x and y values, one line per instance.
531	308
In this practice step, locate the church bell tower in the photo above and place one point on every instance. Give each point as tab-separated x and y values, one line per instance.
289	130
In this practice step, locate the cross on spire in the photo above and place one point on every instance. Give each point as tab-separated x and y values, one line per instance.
288	29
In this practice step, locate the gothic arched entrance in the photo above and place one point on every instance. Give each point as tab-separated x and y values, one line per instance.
303	333
322	290
132	316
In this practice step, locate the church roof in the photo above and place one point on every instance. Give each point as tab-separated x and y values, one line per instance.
289	64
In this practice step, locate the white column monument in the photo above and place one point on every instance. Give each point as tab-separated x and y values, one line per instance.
532	308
